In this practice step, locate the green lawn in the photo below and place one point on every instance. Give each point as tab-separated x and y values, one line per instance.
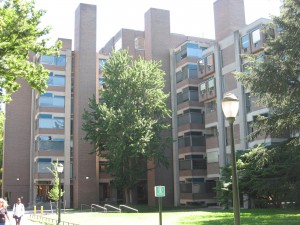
186	217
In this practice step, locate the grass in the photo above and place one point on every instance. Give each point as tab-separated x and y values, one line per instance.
248	217
186	217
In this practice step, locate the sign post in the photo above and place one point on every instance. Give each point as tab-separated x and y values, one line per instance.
159	193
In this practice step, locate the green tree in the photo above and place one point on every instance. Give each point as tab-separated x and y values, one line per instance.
127	127
224	187
270	175
273	77
20	36
53	193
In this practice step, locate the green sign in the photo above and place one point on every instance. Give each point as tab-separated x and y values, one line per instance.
159	191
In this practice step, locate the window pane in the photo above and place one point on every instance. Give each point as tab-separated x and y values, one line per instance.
56	80
245	41
179	77
58	122
211	83
193	50
43	167
193	71
102	63
50	79
255	36
61	60
46	100
45	123
46	59
59	80
59	101
209	60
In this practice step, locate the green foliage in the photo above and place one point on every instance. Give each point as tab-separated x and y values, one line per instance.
20	36
272	173
127	128
54	191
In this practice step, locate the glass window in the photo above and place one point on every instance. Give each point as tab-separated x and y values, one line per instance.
193	71
61	60
46	59
56	80
245	41
179	76
211	83
255	36
209	60
46	100
59	101
53	60
44	165
47	143
184	51
193	50
58	122
102	63
47	121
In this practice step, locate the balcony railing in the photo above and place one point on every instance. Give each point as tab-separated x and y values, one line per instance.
192	164
191	140
192	117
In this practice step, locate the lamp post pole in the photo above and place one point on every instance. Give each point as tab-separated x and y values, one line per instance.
60	169
230	106
59	193
235	189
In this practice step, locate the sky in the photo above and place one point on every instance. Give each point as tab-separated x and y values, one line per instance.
188	17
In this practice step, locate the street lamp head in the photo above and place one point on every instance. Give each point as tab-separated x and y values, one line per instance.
230	105
60	168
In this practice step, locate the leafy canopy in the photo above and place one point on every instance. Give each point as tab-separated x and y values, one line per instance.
20	35
126	128
53	193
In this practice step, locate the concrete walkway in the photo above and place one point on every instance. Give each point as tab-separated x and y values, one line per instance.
24	221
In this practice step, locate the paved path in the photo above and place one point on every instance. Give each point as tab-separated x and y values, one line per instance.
24	221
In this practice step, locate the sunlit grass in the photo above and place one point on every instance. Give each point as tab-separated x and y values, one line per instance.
248	217
187	217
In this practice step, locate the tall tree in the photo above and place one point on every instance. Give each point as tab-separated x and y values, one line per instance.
127	128
275	81
21	34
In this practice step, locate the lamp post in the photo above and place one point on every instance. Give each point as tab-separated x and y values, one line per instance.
230	107
60	169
